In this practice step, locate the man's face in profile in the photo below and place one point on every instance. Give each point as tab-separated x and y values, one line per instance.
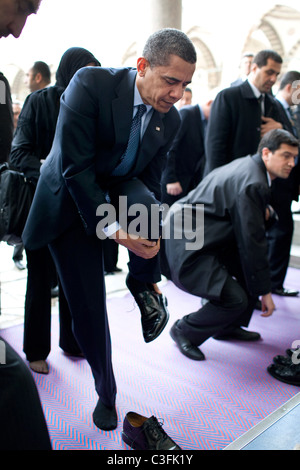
13	15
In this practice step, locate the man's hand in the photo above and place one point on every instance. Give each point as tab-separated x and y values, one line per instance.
140	246
174	188
268	125
267	305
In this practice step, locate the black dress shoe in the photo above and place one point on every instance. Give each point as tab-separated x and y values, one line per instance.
19	265
287	374
184	344
238	333
285	292
143	433
282	360
112	271
54	292
154	312
258	305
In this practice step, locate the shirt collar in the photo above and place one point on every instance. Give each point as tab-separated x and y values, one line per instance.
137	100
282	101
255	90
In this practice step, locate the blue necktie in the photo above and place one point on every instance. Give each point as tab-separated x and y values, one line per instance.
127	160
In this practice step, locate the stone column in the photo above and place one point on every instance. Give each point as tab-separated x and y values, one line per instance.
166	14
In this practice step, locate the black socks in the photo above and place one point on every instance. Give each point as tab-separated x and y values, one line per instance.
104	417
136	287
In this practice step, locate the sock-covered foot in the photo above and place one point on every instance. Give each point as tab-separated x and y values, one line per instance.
104	417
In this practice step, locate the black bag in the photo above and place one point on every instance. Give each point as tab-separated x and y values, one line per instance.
16	194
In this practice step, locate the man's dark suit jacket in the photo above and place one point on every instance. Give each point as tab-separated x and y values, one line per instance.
186	158
6	119
288	188
91	135
235	198
234	125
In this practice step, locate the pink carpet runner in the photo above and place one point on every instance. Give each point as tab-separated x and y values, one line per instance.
203	405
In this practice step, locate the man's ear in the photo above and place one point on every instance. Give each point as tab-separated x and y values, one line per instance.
38	77
265	155
142	65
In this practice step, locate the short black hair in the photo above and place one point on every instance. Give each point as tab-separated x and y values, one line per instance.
41	67
262	57
273	140
165	42
288	78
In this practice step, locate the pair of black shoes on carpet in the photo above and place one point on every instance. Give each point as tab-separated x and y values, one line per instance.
286	368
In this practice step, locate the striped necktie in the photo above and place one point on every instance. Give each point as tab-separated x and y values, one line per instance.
128	158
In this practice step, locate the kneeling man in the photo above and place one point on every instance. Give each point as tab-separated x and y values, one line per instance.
230	269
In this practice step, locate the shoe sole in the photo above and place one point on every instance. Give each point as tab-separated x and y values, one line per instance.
129	442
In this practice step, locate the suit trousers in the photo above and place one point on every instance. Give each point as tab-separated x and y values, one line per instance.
41	273
22	423
79	261
280	237
233	309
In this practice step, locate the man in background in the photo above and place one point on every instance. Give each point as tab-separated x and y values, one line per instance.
245	68
38	76
186	99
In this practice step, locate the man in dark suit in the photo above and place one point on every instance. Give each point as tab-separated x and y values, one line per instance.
186	158
87	169
283	193
228	261
245	68
240	116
